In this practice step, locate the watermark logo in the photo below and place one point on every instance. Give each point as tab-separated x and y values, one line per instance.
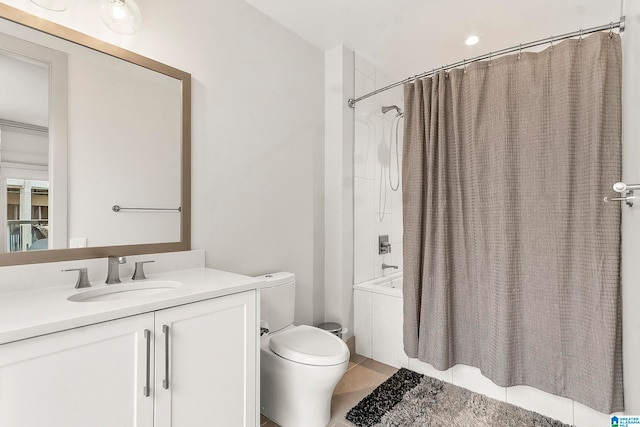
625	421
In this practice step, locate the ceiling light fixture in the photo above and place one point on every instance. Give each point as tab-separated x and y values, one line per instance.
121	16
56	5
471	40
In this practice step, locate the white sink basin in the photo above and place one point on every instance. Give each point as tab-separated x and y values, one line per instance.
124	291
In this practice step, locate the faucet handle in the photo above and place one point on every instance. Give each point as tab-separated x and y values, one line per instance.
83	277
138	274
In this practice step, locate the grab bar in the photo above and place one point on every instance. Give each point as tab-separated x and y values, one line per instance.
117	208
628	199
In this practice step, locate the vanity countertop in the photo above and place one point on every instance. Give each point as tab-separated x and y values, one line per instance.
42	311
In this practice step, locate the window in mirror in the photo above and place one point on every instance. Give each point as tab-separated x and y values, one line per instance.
27	215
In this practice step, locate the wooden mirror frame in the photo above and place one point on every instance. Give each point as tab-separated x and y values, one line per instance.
53	255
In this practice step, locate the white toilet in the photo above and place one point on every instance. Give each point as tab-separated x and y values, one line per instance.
299	365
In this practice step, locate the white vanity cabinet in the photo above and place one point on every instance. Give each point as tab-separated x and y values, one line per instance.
198	359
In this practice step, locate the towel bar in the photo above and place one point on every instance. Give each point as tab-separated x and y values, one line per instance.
117	208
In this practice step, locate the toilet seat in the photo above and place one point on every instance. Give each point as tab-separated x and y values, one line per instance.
309	345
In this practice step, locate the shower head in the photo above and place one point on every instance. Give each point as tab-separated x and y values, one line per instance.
386	109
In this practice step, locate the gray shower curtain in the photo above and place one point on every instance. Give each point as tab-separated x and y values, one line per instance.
511	257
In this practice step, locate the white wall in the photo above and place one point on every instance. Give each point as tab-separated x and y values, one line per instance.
377	209
339	87
257	132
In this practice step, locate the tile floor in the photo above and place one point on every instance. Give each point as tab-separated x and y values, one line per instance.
362	376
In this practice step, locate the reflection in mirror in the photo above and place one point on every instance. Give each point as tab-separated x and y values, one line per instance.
27	215
25	142
124	149
114	130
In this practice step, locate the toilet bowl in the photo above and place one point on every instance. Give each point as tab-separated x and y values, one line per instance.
299	365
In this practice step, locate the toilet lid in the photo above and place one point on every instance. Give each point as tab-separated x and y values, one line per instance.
309	345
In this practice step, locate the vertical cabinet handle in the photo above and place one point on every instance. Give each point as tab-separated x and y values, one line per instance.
147	389
165	381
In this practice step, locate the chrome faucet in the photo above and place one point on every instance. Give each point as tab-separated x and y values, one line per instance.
389	266
113	269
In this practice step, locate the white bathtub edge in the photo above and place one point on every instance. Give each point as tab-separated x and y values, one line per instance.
383	285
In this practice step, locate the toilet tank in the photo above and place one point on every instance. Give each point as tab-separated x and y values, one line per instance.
278	300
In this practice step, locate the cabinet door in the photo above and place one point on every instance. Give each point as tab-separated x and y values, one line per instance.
89	376
206	363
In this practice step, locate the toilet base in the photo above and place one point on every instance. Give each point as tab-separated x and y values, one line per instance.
297	395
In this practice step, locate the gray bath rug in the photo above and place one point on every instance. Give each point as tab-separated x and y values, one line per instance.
415	400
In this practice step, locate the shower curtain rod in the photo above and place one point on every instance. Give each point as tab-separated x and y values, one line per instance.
619	25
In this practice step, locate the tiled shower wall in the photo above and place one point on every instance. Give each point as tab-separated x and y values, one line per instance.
377	209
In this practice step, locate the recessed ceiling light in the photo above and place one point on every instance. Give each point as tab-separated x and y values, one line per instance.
471	40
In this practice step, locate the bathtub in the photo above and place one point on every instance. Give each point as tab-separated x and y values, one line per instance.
377	320
388	285
377	324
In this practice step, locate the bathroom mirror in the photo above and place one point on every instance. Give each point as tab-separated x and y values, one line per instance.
119	135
